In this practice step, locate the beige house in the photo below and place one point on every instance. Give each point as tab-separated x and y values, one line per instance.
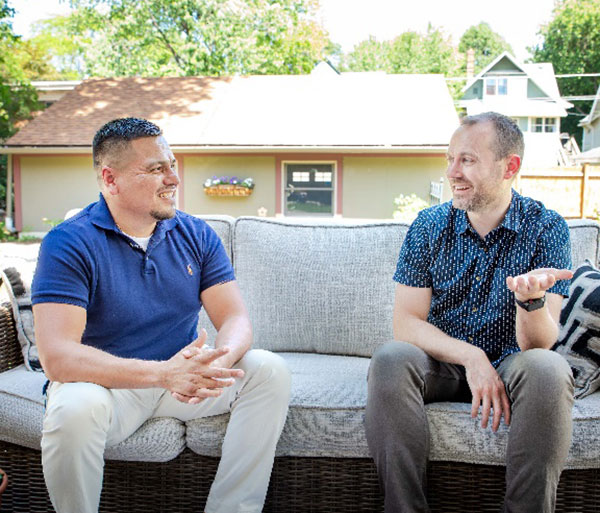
324	144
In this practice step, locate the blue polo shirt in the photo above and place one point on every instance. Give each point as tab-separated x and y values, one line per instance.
139	304
467	274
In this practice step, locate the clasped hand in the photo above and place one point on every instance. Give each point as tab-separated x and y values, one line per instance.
193	373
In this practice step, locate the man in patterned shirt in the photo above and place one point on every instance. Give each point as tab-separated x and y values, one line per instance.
480	285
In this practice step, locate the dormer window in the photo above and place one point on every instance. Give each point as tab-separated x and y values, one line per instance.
496	86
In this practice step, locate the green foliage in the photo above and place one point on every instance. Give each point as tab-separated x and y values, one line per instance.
486	43
248	183
410	52
186	37
571	42
408	207
6	236
18	99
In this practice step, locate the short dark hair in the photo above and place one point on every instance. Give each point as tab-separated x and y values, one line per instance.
509	138
117	133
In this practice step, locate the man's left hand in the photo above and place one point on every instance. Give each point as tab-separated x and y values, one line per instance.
534	284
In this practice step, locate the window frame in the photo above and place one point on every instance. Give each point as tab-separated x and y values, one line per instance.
333	188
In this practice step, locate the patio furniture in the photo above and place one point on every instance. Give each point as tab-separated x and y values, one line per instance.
320	293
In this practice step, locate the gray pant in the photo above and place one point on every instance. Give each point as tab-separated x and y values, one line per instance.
403	378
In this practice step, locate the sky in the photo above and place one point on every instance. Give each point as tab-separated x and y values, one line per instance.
352	21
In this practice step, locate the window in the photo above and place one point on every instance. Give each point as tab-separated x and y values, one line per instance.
308	189
496	86
300	176
540	125
502	86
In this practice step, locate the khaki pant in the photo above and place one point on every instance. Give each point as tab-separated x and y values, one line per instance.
83	418
403	378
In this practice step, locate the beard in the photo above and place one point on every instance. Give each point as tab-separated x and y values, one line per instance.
476	203
163	215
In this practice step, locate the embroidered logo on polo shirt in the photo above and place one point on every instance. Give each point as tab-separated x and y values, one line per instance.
190	272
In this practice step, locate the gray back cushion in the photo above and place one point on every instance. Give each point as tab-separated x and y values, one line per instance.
322	287
223	226
584	241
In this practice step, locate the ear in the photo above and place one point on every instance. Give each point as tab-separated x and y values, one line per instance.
109	180
513	164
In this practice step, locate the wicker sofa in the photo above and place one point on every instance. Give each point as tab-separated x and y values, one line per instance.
320	294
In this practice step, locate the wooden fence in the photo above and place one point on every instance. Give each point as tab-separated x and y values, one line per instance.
574	192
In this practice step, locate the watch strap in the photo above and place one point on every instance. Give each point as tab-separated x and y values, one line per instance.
532	304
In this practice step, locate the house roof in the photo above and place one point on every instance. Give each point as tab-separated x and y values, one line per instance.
541	74
323	110
591	156
594	112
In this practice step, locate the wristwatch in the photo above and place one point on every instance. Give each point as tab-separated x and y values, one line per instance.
532	304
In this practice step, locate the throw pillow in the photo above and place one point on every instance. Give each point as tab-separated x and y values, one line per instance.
18	286
579	336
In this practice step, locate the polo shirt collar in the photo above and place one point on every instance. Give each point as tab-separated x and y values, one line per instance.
512	219
100	216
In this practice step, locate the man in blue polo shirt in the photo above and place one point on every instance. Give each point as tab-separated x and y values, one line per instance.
477	304
116	297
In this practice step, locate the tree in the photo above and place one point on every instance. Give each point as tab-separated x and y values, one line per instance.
571	42
18	99
368	55
486	43
191	37
410	52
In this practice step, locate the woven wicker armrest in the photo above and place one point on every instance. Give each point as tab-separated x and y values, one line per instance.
10	350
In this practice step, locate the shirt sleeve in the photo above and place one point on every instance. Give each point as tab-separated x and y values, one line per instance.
554	250
63	273
216	266
414	261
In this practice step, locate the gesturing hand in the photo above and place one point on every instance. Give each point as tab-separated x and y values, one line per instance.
191	376
534	284
488	392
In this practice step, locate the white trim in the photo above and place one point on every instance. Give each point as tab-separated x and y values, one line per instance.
309	161
442	148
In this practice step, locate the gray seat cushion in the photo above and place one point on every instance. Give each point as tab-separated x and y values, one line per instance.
22	412
326	418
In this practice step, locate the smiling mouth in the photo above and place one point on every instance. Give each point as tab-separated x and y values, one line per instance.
460	188
167	194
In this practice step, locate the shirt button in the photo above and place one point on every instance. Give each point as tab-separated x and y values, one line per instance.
470	339
474	309
478	278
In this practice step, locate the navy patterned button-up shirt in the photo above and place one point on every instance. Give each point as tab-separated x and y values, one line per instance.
467	274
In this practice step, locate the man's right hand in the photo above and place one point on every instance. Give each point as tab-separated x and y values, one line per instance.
488	392
190	377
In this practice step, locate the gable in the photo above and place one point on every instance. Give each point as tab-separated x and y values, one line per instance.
534	92
504	66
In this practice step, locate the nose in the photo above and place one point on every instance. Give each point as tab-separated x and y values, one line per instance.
454	170
171	177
